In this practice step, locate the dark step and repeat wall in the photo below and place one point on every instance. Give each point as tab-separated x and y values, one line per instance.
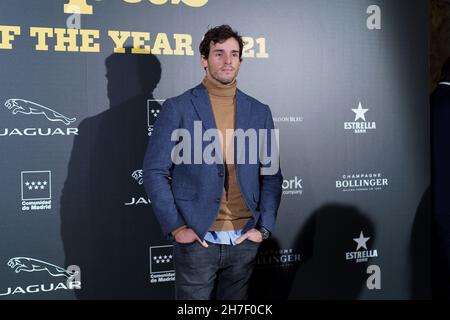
82	82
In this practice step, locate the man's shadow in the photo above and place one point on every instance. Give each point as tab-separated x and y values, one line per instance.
104	231
429	277
323	271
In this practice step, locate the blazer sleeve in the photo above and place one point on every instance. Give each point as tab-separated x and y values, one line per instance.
157	169
271	179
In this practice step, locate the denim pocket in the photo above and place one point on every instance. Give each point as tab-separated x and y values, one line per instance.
184	244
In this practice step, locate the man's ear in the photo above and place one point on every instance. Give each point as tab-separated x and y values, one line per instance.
204	61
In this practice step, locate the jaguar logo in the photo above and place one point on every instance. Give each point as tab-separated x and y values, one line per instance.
137	175
20	264
29	107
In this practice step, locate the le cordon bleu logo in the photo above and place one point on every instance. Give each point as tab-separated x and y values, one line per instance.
83	6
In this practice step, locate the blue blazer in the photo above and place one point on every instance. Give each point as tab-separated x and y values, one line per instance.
190	194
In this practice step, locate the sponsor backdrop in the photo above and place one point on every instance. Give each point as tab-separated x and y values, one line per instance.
83	81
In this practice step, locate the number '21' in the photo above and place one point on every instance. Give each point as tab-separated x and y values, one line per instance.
248	51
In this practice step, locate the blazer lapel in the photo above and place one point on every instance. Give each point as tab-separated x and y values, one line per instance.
202	105
203	108
242	111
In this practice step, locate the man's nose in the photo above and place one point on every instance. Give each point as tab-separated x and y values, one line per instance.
228	59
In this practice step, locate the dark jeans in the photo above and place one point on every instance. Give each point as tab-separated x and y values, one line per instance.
219	272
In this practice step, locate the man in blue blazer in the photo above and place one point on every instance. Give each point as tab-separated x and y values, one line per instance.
212	174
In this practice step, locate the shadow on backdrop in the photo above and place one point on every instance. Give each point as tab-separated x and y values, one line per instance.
108	239
440	176
421	252
323	272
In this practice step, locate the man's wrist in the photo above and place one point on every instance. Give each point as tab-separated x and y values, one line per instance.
264	232
177	230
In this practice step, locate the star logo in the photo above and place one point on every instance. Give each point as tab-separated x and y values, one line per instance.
361	241
36	185
155	112
163	259
359	112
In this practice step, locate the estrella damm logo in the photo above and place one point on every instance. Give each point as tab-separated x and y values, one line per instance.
81	6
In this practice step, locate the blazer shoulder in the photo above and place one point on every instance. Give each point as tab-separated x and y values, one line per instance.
257	105
182	99
252	100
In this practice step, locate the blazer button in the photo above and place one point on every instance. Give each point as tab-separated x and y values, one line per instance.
221	174
218	200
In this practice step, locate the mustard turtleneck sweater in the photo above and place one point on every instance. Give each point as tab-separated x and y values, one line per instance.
234	213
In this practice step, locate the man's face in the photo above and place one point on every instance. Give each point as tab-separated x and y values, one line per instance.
223	62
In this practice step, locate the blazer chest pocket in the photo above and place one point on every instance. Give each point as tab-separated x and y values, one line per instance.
183	193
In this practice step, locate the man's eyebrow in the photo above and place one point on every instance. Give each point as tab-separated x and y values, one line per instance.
222	50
